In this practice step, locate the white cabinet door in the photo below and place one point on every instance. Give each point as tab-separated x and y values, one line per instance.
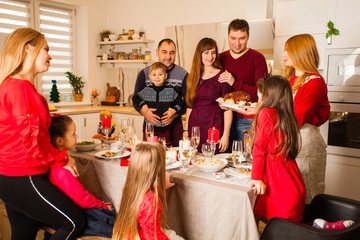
301	16
90	125
345	15
86	124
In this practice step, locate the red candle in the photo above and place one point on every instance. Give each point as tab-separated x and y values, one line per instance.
213	135
152	139
106	122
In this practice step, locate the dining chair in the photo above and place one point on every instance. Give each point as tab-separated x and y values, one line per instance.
324	206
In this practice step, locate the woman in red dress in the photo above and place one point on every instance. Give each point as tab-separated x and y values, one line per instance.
203	89
275	173
312	109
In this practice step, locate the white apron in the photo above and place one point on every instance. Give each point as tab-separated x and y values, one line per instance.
312	160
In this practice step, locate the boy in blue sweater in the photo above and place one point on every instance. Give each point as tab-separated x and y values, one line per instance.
164	99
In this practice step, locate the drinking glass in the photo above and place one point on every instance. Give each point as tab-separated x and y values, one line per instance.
149	130
125	126
195	136
237	151
206	149
131	137
186	153
162	141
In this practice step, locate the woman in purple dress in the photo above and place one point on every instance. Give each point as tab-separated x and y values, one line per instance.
203	89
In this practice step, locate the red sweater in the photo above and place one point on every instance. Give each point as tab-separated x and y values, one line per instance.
25	147
311	101
146	219
247	70
71	186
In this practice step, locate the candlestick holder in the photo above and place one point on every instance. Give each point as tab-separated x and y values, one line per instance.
213	147
107	131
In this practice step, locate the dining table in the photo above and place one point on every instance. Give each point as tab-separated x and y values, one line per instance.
200	206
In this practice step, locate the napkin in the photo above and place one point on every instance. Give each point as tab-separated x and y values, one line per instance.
124	162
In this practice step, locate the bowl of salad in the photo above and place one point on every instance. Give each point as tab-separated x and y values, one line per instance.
87	144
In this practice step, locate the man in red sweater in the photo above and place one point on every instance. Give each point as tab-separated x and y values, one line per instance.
243	68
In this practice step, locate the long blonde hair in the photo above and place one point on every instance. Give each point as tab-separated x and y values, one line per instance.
197	68
13	52
146	173
305	57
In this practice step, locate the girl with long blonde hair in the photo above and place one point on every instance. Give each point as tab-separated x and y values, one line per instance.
25	149
275	173
312	109
203	89
143	203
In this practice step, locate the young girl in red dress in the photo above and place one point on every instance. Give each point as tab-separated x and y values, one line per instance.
143	203
275	173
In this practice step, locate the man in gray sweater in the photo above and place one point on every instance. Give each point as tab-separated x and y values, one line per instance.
176	79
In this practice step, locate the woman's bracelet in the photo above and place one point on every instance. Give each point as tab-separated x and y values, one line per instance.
185	130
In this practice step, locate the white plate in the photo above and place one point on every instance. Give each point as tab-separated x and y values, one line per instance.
100	155
234	105
174	165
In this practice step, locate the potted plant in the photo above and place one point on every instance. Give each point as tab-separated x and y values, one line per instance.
105	34
77	85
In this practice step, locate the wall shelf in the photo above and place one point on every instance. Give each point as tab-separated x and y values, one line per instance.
119	42
113	62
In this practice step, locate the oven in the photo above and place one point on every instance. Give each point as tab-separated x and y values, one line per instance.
342	131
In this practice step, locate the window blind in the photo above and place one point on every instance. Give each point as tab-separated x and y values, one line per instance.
13	15
56	25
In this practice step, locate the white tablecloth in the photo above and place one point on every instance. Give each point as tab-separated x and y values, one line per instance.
199	207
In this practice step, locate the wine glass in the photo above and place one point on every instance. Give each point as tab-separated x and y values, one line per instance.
195	136
131	137
162	141
237	150
206	149
125	126
186	153
149	130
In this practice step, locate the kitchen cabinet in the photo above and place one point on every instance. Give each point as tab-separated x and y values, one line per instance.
86	124
298	17
344	14
144	42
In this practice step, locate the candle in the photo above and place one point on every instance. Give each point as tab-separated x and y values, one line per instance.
171	155
186	144
106	122
152	139
213	135
94	92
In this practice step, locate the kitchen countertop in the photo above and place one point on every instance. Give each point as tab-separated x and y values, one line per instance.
91	109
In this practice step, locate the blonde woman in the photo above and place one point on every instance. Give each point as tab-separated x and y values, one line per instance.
25	149
203	88
312	109
142	213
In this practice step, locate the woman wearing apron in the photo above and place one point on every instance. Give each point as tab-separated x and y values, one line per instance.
312	109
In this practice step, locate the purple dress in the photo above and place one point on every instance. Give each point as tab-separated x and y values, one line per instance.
206	112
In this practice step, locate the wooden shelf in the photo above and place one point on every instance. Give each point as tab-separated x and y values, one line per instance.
146	62
119	42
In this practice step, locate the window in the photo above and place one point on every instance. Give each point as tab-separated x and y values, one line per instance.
56	23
